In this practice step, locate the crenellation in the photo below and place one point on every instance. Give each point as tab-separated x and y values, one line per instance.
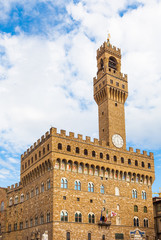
46	134
42	138
138	151
131	149
96	141
80	137
62	133
88	139
71	135
38	142
145	153
151	155
53	131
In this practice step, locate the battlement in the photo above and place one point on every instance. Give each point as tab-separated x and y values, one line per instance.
14	187
108	48
119	75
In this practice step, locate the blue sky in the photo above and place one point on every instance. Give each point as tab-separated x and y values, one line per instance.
48	61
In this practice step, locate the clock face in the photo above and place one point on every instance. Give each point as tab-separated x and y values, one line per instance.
117	141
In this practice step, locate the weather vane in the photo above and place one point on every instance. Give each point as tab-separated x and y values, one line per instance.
108	38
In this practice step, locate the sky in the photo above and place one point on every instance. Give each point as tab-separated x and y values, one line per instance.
47	64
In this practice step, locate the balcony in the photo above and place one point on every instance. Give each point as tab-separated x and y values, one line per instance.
104	224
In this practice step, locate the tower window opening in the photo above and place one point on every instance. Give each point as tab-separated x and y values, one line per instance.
115	159
142	164
101	155
85	152
129	161
111	81
107	157
93	153
122	160
115	104
136	163
149	166
102	64
117	84
112	63
77	150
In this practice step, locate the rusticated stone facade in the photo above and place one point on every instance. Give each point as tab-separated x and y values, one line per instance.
68	183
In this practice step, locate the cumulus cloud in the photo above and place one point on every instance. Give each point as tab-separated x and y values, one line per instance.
46	80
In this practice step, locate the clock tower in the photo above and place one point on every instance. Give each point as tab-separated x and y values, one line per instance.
110	93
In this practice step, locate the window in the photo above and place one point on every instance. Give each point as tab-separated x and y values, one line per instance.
31	222
93	153
64	183
21	225
35	157
37	190
64	216
2	206
85	152
129	161
134	193
145	209
42	187
102	189
115	159
101	155
59	146
143	194
32	160
26	224
64	198
89	236
77	185
112	63
107	157
25	164
111	81
68	236
41	219
39	153
78	199
149	165
22	198
77	150
90	187
15	227
9	227
142	164
91	201
48	217
10	202
118	221
117	193
78	217
102	64
145	222
135	208
16	200
122	160
48	147
136	222
91	218
48	184
117	84
28	162
32	193
103	237
68	148
118	207
136	163
43	150
123	86
36	220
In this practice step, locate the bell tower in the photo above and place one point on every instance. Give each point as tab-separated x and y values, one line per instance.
110	93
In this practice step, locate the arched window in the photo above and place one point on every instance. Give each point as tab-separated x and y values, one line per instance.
59	146
117	191
101	155
142	164
26	224
41	219
77	150
145	222
31	222
143	194
2	206
69	148
77	185
149	165
136	222
42	187
118	207
64	183
32	193
15	227
112	63
48	217
145	209
90	187
27	196
10	202
22	198
93	153
102	64
48	184
115	158
78	217
64	216
135	208
136	163
102	189
134	193
9	227
68	236
89	236
85	152
21	225
36	220
129	161
103	237
43	150
118	220
91	218
122	160
16	200
37	191
107	157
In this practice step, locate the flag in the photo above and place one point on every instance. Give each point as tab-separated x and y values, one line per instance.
106	215
113	214
101	214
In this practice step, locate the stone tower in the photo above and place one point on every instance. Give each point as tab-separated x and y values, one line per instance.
110	93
